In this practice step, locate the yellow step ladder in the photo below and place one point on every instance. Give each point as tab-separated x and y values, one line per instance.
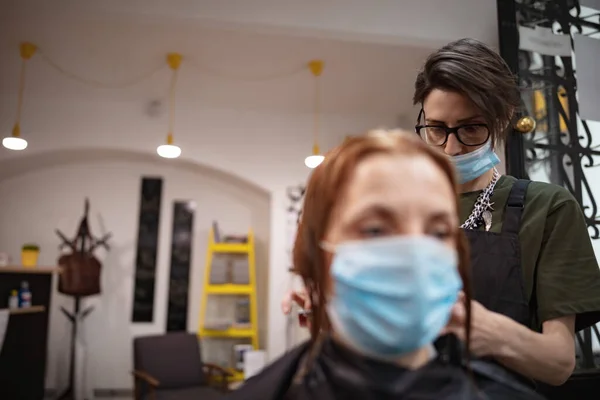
230	289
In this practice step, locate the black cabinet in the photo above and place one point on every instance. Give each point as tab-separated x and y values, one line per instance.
23	355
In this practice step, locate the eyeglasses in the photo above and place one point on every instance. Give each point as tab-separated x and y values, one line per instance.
468	135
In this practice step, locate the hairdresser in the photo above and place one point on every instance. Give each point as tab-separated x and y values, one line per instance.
534	274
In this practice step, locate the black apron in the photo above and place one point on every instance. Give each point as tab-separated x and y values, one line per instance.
496	273
497	283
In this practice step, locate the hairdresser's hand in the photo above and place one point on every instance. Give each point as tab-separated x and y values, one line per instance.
484	338
301	298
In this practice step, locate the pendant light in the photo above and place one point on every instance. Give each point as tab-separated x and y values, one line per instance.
314	160
171	150
15	141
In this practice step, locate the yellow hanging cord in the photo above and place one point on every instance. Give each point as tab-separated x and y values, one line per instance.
205	69
99	84
27	51
174	61
316	68
250	79
21	91
316	150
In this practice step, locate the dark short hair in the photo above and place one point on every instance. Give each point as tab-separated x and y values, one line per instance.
470	67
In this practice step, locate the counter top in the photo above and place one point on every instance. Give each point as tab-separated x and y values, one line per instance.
17	269
27	310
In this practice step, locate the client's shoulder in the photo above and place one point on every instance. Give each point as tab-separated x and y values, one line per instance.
479	381
273	381
496	382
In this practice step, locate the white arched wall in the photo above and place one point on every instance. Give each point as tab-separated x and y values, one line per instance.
21	192
43	192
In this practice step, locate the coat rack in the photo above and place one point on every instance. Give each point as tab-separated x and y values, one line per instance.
80	278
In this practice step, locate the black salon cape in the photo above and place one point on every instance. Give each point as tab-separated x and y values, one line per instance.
337	373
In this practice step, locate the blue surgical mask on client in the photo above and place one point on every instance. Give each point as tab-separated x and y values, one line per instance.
392	295
476	163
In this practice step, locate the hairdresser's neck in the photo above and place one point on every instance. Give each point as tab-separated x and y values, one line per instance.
477	183
413	360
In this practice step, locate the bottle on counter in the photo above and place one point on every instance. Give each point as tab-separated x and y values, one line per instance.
13	300
24	295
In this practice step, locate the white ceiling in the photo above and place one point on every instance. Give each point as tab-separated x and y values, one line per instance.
358	77
372	49
415	22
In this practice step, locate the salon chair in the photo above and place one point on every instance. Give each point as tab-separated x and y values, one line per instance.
170	367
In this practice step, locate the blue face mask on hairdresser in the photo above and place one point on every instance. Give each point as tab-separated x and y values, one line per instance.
392	295
472	165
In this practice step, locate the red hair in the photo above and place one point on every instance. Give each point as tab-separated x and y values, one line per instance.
323	190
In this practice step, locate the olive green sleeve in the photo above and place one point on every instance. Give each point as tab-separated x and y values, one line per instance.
568	277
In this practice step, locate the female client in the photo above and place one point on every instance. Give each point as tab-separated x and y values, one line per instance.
383	261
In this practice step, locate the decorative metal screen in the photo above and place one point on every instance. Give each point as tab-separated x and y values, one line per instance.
563	149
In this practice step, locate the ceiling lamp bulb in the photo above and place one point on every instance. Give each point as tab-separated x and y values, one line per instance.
168	151
316	159
14	143
313	161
